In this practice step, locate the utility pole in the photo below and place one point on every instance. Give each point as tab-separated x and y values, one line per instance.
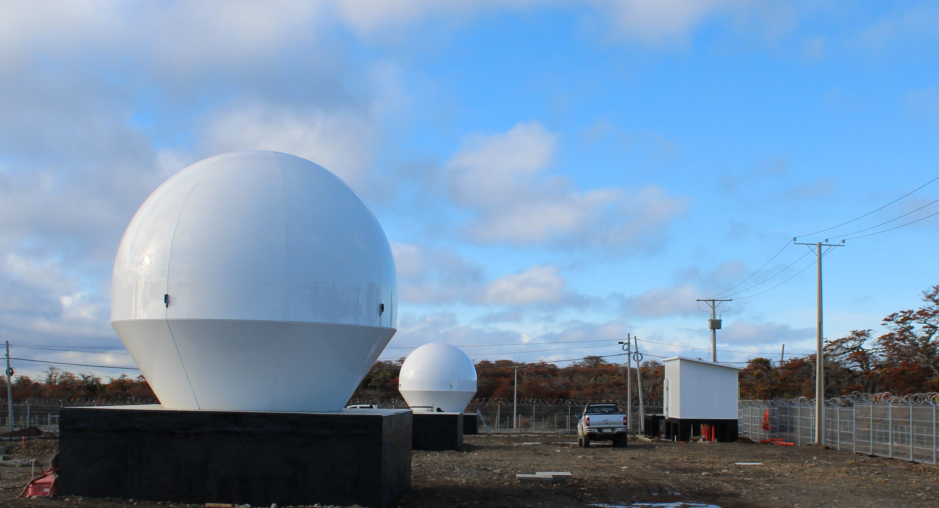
782	354
9	389
515	402
714	324
819	345
639	384
629	386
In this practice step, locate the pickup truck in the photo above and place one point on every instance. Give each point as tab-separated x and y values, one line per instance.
602	422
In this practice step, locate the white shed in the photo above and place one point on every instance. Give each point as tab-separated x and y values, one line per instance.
700	390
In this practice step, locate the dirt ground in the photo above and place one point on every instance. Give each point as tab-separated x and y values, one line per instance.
643	474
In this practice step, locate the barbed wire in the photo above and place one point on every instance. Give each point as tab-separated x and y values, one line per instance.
853	399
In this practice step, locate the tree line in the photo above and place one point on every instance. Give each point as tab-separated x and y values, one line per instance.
58	385
904	359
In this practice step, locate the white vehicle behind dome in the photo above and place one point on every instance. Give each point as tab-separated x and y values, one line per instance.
437	377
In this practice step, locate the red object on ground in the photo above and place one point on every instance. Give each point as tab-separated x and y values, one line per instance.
708	432
776	441
766	425
43	485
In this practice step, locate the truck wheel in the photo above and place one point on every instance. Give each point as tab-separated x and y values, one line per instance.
586	442
621	441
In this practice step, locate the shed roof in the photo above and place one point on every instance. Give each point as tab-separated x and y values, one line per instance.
695	360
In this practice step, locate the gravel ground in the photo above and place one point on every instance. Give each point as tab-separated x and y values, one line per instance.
662	473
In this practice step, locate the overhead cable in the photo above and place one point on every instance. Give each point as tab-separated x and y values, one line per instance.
872	211
891	229
707	348
770	277
889	221
787	280
787	244
514	344
76	364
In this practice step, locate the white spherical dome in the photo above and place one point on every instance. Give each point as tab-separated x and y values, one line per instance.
437	375
254	281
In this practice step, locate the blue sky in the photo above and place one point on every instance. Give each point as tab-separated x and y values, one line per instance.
546	171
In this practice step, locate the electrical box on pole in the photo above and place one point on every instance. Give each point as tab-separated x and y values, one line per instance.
714	324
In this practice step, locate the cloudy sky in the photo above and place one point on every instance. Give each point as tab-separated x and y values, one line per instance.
548	172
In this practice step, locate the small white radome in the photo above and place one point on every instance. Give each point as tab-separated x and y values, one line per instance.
254	281
437	377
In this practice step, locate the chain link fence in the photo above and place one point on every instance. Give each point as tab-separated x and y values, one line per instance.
544	417
876	424
45	413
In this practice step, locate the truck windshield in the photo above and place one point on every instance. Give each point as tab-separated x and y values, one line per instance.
603	410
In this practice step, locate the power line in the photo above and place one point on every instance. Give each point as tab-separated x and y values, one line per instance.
872	211
891	229
770	277
43	346
522	344
539	350
756	272
507	366
76	364
112	351
706	349
785	281
891	220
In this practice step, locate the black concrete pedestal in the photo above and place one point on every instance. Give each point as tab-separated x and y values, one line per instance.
682	429
438	431
146	452
470	424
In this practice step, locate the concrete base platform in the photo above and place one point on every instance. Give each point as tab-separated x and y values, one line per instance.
470	424
683	429
146	452
437	431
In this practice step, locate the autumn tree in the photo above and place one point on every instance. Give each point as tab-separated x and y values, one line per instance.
911	347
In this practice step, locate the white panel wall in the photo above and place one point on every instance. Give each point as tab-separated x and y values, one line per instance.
700	390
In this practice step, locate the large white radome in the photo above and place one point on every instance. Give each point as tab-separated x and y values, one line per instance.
280	282
437	376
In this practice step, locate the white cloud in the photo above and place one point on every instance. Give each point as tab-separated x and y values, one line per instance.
538	284
664	22
342	142
658	302
44	298
414	331
661	20
500	178
366	17
435	276
743	332
817	189
441	276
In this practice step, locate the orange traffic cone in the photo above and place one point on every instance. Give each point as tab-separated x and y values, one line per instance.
766	425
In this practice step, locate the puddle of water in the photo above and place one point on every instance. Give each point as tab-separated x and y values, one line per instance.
657	505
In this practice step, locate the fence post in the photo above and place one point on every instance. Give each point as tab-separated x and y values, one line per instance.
890	429
799	425
854	428
533	406
568	418
934	434
838	428
912	434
